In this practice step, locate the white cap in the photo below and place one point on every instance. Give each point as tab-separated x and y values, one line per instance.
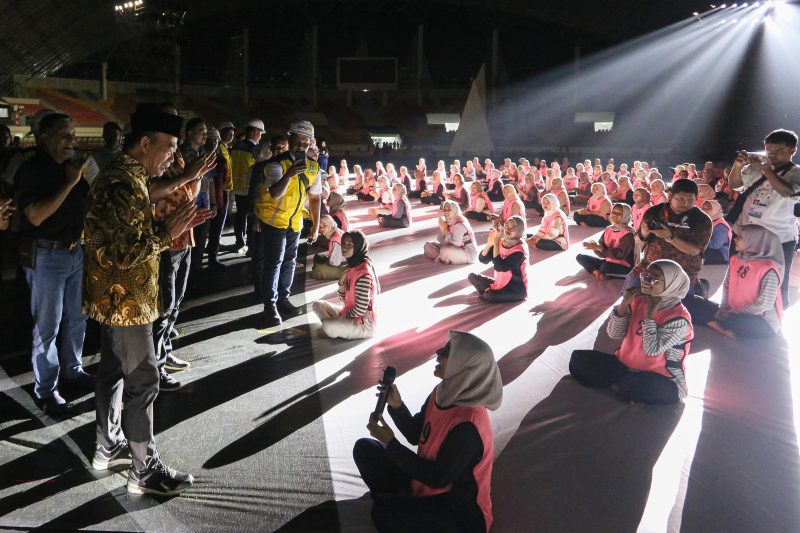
226	125
302	127
256	123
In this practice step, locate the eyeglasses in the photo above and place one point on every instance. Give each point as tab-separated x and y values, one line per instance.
648	278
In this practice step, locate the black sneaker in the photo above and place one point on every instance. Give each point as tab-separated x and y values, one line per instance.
270	318
82	381
176	364
287	310
53	405
158	479
167	383
104	458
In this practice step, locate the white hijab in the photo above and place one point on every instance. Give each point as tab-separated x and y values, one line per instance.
676	283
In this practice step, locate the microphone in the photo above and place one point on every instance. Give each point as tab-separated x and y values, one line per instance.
388	378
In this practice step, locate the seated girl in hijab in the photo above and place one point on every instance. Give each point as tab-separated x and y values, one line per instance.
344	173
584	190
330	264
557	188
455	242
641	203
336	210
506	250
460	193
400	214
435	196
512	205
420	185
597	209
624	192
367	192
480	206
494	185
529	193
553	232
384	195
444	486
719	247
358	291
570	180
751	300
358	176
332	179
656	333
404	178
657	194
614	250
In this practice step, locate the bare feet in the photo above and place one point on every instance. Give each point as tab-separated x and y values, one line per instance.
599	275
716	326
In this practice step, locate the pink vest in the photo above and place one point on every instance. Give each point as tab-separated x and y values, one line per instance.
637	214
352	275
744	282
632	354
571	182
612	239
464	222
622	193
547	225
563	197
488	208
596	203
508	209
335	238
342	218
659	198
438	423
501	279
396	205
367	188
721	220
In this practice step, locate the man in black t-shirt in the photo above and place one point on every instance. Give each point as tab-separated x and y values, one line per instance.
51	195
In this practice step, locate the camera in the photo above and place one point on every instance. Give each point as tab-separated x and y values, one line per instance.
656	223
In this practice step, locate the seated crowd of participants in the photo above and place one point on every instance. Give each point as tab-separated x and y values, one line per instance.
656	237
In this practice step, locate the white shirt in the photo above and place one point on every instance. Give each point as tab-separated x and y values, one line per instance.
765	207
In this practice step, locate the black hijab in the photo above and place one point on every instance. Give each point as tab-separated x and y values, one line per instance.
360	247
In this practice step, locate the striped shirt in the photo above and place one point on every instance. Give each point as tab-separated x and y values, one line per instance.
764	305
667	338
362	297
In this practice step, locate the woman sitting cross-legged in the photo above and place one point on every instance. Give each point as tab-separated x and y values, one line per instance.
553	232
597	209
399	216
455	242
751	301
436	195
460	194
330	264
445	486
506	250
480	206
615	249
336	210
656	332
358	290
512	206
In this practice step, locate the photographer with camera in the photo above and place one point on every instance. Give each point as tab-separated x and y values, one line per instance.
770	183
677	230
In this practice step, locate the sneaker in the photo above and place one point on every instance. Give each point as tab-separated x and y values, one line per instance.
271	318
167	383
287	310
176	364
158	479
52	405
242	250
119	454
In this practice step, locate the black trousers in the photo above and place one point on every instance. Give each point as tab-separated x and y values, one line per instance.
200	239
597	369
391	222
240	221
394	510
594	221
216	228
713	257
742	325
548	244
473	215
506	294
172	280
431	200
591	263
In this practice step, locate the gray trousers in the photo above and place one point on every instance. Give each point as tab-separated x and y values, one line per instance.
126	385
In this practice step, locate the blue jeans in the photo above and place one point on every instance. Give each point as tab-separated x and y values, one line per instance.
56	284
276	262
